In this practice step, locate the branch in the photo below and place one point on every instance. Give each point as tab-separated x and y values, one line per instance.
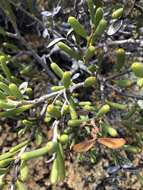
120	91
128	41
38	58
118	75
48	96
41	61
139	7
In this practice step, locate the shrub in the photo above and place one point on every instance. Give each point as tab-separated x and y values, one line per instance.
75	124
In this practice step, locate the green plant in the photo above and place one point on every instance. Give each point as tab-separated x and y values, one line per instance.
62	103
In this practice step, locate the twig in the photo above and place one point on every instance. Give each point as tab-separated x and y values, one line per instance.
38	58
118	75
55	130
66	98
119	91
48	96
11	35
16	168
62	110
139	7
41	61
58	95
76	86
128	41
51	159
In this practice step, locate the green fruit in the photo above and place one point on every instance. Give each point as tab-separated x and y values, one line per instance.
125	83
91	9
90	81
117	105
98	16
85	103
90	53
103	110
120	56
58	167
27	122
53	111
132	149
117	13
38	137
137	68
59	103
74	122
6	162
140	82
54	172
14	91
72	109
66	80
99	30
78	28
64	138
65	109
57	88
89	108
57	70
24	171
47	119
61	164
50	147
111	131
71	52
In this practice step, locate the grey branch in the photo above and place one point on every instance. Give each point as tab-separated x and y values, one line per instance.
49	96
128	41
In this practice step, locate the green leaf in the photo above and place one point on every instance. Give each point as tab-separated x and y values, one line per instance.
78	28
